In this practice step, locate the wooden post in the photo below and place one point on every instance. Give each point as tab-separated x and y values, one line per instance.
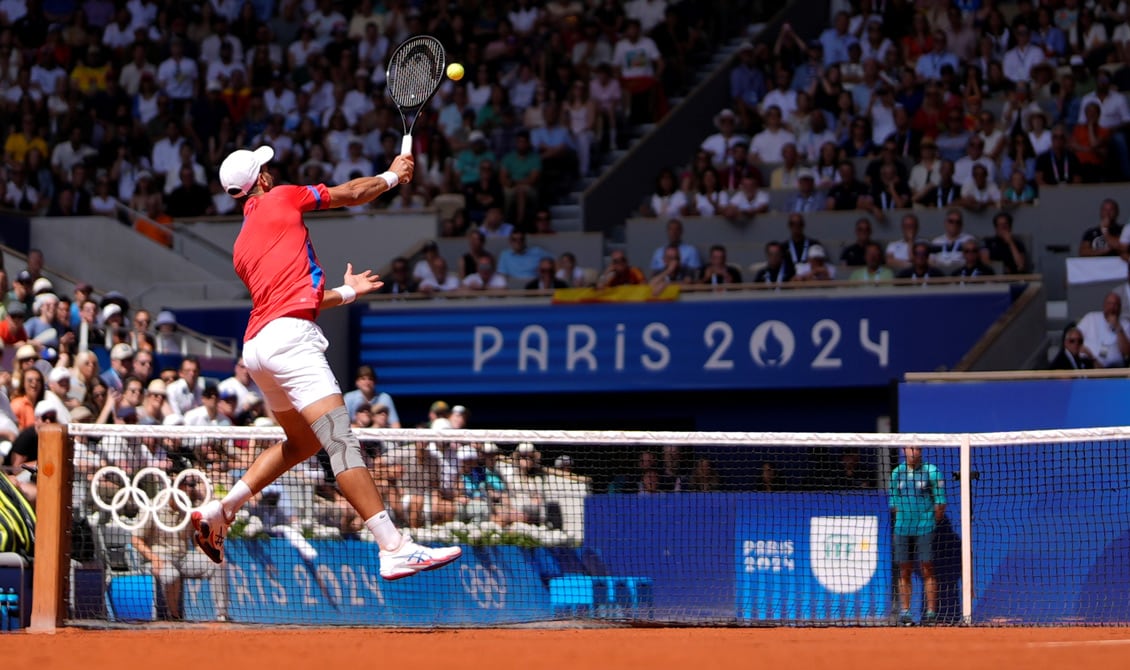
53	529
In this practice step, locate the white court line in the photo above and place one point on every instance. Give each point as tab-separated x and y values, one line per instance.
1081	643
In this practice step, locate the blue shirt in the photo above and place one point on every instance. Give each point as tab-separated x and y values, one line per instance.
747	84
930	64
803	76
1054	40
521	265
556	136
836	46
688	257
355	400
913	495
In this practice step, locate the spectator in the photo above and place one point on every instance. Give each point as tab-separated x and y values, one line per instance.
486	278
929	66
979	193
688	254
190	198
639	65
1107	333
12	332
177	76
668	200
948	245
775	270
747	84
484	194
1114	116
20	195
889	192
439	281
718	270
719	144
1059	165
853	255
186	392
1018	192
972	265
569	272
240	385
399	280
1073	353
711	198
521	261
946	193
748	202
1090	145
1105	238
920	268
521	172
806	199
849	193
817	267
1019	60
547	276
786	174
1019	157
1004	248
493	224
620	272
873	270
767	146
926	174
558	153
365	394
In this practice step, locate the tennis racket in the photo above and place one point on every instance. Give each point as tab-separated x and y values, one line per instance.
415	71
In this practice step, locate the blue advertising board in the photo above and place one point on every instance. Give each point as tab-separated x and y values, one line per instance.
766	342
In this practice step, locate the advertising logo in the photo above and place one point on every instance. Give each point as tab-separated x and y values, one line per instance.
772	344
844	551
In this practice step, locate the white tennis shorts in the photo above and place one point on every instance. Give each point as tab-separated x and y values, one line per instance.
287	359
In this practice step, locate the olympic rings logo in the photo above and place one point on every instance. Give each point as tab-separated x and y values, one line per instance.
132	491
486	586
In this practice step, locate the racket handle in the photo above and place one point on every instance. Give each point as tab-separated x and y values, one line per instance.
406	145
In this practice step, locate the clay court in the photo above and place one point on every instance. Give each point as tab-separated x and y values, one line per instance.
655	649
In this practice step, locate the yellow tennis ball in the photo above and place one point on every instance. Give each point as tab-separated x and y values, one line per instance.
455	71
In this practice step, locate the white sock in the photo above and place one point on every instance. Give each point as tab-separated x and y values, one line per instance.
382	528
239	494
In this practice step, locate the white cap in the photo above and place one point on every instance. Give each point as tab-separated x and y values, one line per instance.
490	448
817	251
58	375
240	170
467	454
525	448
43	407
41	285
109	310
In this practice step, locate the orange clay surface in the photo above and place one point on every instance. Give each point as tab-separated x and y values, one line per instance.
246	648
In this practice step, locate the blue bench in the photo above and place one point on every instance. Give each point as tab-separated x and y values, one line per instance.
15	581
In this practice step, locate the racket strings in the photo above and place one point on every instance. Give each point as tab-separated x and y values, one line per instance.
416	71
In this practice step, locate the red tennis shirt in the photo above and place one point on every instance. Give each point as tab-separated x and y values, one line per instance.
274	258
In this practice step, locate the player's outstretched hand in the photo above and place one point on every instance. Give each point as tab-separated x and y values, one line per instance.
365	282
403	165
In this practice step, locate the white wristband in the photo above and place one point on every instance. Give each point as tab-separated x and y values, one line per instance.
391	178
348	293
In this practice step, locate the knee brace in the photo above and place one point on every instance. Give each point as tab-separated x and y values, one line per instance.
341	445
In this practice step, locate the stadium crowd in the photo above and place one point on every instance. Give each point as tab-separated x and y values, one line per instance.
958	105
127	108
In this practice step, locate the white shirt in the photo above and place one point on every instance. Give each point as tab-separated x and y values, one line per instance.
950	253
14	10
178	78
766	145
1041	143
450	283
783	100
210	48
475	281
719	146
709	206
989	194
242	393
221	71
300	51
922	176
198	416
747	205
279	103
64	156
882	123
166	155
130	78
636	59
1018	62
1113	111
181	399
172	179
117	38
1101	339
667	206
649	13
963	169
899	250
345	168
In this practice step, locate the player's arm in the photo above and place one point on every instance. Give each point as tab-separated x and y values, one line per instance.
939	495
355	284
366	189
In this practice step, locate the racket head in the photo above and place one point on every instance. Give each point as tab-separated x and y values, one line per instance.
415	71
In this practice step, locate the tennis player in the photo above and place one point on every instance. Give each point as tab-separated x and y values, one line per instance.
284	351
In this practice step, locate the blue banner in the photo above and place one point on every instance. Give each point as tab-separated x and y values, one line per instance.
269	582
764	342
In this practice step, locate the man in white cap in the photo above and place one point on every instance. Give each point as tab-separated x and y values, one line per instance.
284	351
121	365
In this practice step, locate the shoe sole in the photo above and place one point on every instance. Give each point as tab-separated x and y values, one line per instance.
408	572
202	532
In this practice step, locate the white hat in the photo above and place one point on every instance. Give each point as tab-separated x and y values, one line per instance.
121	351
1076	61
43	407
724	114
58	375
173	420
42	299
42	285
467	454
525	448
563	461
240	170
817	251
490	448
165	318
110	310
264	422
477	136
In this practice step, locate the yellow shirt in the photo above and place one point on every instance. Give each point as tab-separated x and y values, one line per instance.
17	145
90	79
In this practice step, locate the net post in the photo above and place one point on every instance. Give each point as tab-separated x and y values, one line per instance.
52	538
966	531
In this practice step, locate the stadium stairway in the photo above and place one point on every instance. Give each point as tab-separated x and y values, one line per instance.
566	213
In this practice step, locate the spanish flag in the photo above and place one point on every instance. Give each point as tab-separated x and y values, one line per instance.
625	293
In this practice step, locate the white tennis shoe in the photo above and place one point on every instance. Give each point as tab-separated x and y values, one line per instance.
410	558
211	523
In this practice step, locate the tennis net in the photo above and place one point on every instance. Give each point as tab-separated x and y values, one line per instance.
656	528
